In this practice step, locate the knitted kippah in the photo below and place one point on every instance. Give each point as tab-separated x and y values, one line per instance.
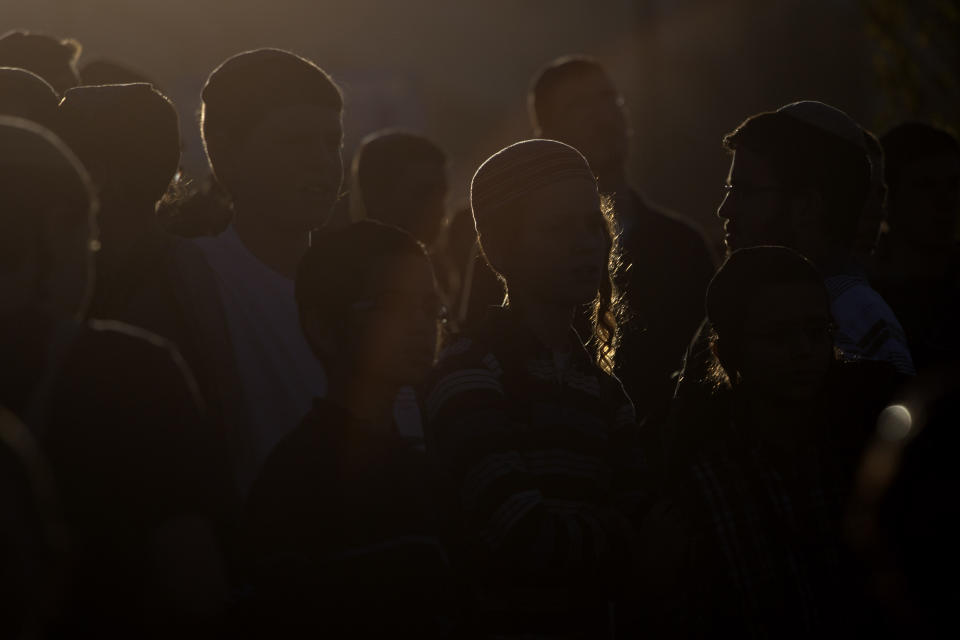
521	169
827	119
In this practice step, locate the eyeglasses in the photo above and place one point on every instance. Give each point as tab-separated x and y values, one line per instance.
745	189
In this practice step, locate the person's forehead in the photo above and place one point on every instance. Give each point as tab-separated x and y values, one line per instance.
749	166
584	87
308	118
788	301
400	273
422	172
565	197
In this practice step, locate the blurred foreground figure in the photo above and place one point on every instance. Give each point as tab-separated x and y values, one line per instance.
128	138
918	268
401	179
272	133
24	94
342	522
53	60
749	544
113	407
535	438
667	263
902	521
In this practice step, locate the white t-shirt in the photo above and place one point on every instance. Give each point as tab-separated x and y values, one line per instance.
279	374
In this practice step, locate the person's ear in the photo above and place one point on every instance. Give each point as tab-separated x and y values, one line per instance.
806	221
495	258
320	334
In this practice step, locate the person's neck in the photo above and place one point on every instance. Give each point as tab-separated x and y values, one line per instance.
830	259
369	402
783	426
613	182
137	223
549	322
279	249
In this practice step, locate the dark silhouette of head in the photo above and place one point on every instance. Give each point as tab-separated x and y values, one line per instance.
875	209
128	138
271	124
109	72
402	180
368	304
545	230
923	175
26	95
800	178
770	314
47	236
573	100
53	60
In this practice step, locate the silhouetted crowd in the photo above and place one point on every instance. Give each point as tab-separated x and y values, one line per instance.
276	401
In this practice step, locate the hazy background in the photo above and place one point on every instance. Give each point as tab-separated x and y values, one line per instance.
458	71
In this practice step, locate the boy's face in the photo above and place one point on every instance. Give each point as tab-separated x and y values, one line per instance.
787	345
289	169
561	248
394	327
754	207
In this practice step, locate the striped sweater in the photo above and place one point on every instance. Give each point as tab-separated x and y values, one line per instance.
542	477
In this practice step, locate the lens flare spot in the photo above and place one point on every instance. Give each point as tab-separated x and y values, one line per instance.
895	423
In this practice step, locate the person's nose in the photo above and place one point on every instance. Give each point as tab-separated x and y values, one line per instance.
726	210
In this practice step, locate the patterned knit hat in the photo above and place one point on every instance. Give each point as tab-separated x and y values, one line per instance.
519	170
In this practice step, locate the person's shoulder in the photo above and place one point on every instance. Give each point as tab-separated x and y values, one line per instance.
298	452
468	367
473	347
128	355
113	338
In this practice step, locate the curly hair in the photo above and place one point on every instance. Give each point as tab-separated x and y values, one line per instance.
609	308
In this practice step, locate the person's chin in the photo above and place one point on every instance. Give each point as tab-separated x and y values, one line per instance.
732	242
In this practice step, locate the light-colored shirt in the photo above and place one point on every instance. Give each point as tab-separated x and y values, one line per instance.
279	374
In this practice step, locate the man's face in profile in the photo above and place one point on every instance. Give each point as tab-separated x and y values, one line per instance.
754	208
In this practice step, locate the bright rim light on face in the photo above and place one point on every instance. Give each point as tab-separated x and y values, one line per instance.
895	423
